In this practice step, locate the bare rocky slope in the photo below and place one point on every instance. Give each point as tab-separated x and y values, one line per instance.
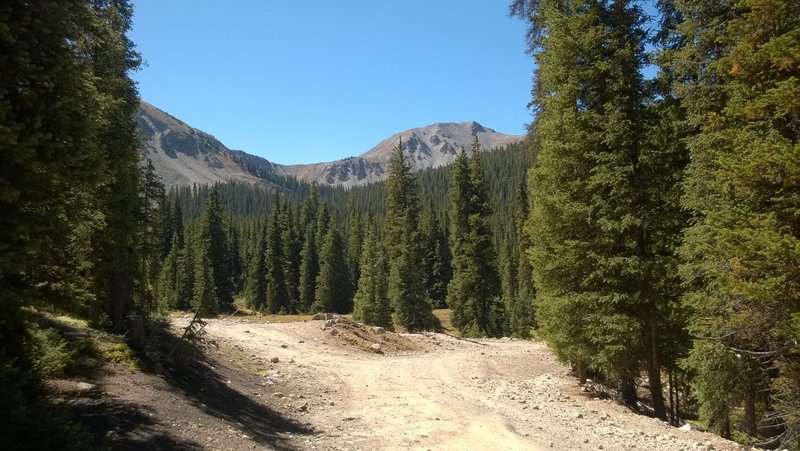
183	155
427	147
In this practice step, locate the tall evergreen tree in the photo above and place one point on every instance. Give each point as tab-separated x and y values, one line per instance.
586	224
277	297
309	268
48	213
211	246
473	293
292	247
256	282
173	289
740	88
371	304
406	291
435	256
355	241
516	273
118	245
205	293
333	282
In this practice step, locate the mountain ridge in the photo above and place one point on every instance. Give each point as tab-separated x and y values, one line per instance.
184	155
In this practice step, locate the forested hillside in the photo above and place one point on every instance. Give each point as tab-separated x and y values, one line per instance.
280	234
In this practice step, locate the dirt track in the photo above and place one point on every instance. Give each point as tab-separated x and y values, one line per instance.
427	391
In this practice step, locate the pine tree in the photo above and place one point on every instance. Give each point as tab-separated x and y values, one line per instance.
205	293
586	222
333	282
211	246
277	297
292	247
309	268
435	256
371	305
516	270
473	293
355	241
167	288
740	88
117	247
234	257
150	222
525	291
256	283
406	291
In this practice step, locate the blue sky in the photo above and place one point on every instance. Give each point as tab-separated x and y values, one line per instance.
307	81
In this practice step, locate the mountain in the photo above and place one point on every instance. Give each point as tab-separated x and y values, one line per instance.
428	147
183	155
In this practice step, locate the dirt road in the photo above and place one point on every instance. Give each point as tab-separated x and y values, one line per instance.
429	391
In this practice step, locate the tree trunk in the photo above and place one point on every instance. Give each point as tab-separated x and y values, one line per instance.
725	426
749	423
628	391
581	372
671	383
654	373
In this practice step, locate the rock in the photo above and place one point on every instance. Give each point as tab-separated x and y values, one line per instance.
274	360
376	347
301	407
319	316
85	387
580	415
328	323
334	332
377	330
284	346
686	427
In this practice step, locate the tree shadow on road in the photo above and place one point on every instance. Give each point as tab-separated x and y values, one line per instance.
133	428
198	377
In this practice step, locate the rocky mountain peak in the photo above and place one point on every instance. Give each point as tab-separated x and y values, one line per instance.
184	155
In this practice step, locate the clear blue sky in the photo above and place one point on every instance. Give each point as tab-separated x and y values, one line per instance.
318	80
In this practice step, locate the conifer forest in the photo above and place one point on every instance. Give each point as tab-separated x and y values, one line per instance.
647	228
